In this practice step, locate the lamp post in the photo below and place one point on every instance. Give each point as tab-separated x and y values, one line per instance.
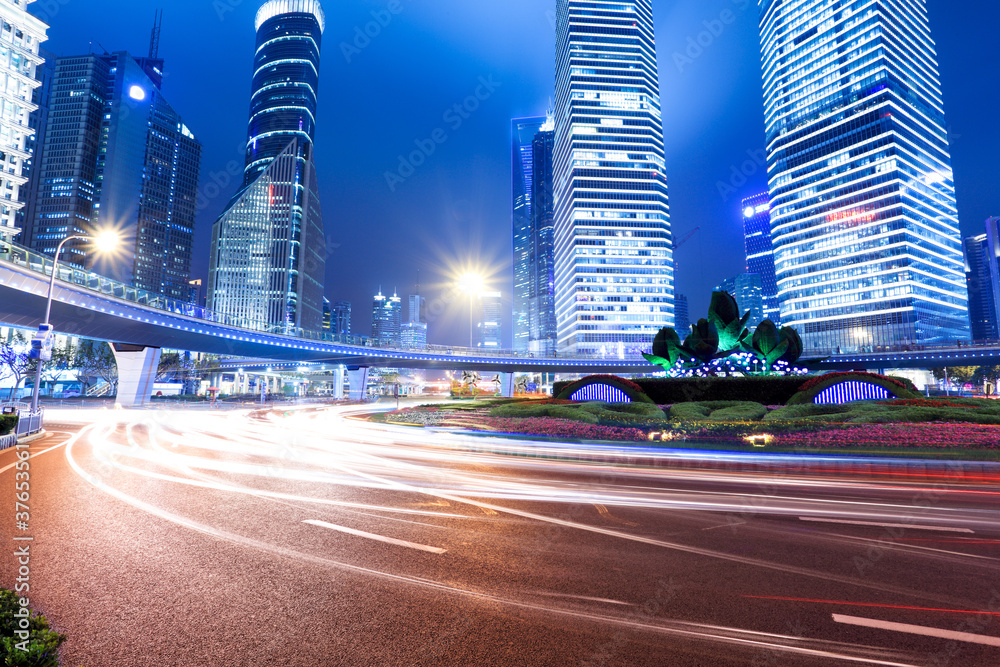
105	242
473	285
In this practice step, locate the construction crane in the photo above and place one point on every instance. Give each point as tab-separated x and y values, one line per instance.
154	37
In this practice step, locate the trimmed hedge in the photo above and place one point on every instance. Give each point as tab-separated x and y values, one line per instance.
7	424
811	389
668	391
563	390
718	411
42	644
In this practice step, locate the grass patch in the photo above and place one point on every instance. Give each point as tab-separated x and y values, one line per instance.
718	411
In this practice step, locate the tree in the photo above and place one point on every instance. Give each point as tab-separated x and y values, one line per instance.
959	375
95	360
15	362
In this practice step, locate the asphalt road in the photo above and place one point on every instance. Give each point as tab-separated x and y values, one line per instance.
311	538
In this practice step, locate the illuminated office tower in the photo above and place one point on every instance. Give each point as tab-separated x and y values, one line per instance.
340	318
614	282
20	38
867	248
980	265
756	213
387	312
268	247
523	131
490	321
747	289
542	330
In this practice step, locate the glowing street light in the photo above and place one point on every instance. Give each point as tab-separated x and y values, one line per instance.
474	285
105	242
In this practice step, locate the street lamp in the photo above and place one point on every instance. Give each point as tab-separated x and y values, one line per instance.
105	242
472	284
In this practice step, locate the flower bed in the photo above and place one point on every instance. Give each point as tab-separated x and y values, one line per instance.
549	426
897	436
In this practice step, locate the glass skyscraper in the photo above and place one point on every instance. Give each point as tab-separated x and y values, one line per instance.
340	318
748	291
523	131
614	281
268	247
387	315
980	265
542	330
20	38
116	155
490	321
863	218
756	213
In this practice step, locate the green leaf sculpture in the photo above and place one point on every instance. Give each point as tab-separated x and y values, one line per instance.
795	349
667	350
724	313
768	344
703	343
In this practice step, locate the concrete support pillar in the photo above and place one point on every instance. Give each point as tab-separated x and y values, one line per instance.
137	367
338	383
507	385
357	378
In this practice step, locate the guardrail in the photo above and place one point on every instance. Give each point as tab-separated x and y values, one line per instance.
28	422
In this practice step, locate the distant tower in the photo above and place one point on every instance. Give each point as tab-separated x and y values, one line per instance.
523	131
386	320
268	247
490	321
682	315
746	289
756	212
340	318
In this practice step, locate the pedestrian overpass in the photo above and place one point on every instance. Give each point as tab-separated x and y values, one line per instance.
139	324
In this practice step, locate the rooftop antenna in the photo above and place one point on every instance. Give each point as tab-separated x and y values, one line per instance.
154	37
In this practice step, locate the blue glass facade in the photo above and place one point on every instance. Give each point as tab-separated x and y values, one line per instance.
387	316
542	305
983	313
756	212
863	218
614	281
269	246
747	289
522	132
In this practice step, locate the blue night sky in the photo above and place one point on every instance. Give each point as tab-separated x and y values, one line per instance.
455	209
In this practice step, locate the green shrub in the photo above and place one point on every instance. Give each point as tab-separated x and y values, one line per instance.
643	409
539	409
815	386
573	413
563	390
670	391
43	643
7	424
718	411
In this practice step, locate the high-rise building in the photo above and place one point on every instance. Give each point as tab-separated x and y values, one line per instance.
117	156
993	260
387	314
340	318
20	39
746	289
682	316
614	281
760	251
38	121
413	335
268	247
523	131
490	320
417	309
867	248
327	314
983	313
543	332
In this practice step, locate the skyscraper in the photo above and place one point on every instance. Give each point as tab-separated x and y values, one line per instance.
117	155
413	332
490	320
746	289
327	314
523	131
614	280
863	218
983	312
760	252
387	314
268	247
992	258
38	121
22	35
340	318
542	333
682	316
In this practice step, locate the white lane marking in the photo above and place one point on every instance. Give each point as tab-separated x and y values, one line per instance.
584	597
944	529
6	468
917	630
372	536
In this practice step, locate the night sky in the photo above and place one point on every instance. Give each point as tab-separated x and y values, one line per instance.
454	210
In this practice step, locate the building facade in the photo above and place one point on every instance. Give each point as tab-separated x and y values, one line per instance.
756	213
992	259
21	36
542	329
340	318
863	218
387	315
983	313
682	316
490	321
117	156
268	247
748	291
614	281
38	121
523	131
